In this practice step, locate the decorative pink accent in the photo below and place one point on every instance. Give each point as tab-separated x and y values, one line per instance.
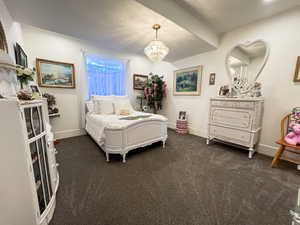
293	137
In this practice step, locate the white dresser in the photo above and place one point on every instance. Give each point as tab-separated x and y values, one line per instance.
236	121
28	173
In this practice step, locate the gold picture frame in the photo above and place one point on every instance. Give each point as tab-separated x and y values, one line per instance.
297	71
188	81
54	74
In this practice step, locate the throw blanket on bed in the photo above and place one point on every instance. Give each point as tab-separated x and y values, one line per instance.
134	117
95	123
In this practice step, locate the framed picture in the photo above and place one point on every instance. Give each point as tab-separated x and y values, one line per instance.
52	74
212	79
21	57
3	42
35	91
297	71
187	81
182	115
139	81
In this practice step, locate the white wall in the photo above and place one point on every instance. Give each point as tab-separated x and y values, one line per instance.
12	29
281	94
44	44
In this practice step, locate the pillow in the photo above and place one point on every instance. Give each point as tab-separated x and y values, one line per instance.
102	97
90	106
123	106
104	107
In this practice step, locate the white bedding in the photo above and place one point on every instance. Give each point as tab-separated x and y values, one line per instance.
96	123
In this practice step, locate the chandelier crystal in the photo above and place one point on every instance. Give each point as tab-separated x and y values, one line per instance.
156	50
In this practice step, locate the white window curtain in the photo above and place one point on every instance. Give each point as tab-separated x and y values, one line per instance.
105	76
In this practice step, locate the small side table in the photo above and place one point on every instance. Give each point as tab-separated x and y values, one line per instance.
182	127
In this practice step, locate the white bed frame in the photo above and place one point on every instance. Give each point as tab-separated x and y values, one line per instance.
143	133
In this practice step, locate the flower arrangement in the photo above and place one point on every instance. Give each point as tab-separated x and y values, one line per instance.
24	75
155	91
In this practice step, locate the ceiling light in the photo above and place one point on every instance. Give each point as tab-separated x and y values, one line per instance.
268	1
156	50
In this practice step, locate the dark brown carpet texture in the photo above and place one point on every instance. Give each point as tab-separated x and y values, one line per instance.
188	183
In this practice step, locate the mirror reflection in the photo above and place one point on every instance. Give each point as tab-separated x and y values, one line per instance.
245	62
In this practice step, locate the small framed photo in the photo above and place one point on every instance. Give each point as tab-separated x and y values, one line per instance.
297	71
36	93
182	115
212	79
139	81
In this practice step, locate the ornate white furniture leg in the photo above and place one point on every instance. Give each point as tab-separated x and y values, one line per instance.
164	143
124	158
251	152
207	141
107	156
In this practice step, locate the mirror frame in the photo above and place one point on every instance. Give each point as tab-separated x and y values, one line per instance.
247	44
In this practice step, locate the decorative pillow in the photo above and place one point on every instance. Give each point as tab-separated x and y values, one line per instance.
103	107
123	105
90	106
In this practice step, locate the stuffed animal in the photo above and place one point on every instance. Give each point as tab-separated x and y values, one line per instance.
293	137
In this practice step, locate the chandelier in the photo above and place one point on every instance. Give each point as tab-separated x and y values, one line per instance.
156	50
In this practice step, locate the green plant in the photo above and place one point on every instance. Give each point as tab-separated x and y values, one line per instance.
155	91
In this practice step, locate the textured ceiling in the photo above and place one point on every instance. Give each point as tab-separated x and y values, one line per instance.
226	15
123	26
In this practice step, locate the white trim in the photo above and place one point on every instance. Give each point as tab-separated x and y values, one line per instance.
68	133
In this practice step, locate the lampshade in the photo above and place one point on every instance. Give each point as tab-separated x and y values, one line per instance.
156	50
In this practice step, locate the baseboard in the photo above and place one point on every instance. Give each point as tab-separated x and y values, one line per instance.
68	133
262	148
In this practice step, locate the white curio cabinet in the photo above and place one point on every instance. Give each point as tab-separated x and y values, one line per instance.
28	168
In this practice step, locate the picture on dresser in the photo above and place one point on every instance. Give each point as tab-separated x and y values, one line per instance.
297	71
187	81
212	79
52	74
36	93
182	115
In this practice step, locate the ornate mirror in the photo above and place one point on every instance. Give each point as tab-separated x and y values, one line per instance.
244	64
3	43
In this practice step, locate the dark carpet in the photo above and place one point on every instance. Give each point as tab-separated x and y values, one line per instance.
188	183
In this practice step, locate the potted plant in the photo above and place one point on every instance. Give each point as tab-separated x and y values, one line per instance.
155	91
24	75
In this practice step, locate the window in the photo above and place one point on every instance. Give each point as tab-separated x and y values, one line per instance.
105	76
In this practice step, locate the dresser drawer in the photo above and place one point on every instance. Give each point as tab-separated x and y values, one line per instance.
233	104
230	135
230	117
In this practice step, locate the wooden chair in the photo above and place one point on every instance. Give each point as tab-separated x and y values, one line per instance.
285	122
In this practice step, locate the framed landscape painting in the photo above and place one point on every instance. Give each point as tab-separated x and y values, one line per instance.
187	81
52	74
297	71
139	81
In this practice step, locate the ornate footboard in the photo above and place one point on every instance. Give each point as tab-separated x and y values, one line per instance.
121	141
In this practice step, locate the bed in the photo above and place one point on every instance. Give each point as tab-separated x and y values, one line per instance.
119	134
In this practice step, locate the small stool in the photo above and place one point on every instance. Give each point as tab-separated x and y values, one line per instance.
182	127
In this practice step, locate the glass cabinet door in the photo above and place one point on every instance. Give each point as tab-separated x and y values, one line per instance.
34	121
27	114
39	158
38	177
